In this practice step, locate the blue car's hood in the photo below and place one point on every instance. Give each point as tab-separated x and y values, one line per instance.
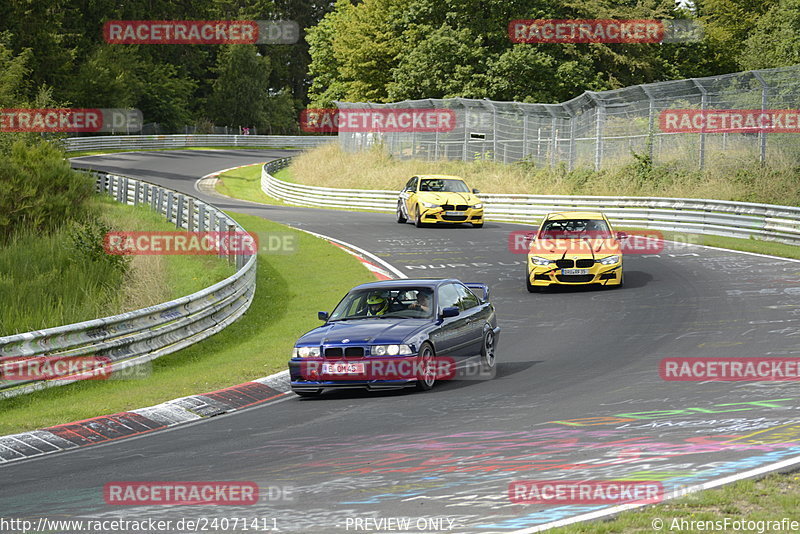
364	331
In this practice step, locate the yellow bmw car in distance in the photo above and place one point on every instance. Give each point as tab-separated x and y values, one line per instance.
574	248
438	198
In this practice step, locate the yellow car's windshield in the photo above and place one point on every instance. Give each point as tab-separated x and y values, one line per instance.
444	186
575	229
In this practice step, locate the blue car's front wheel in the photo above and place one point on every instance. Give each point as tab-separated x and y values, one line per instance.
426	373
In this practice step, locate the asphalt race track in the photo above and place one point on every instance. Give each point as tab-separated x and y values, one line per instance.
577	394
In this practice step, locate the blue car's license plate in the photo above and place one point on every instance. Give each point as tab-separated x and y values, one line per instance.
343	368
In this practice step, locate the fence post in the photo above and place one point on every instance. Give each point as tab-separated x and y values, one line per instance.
571	140
524	134
136	190
554	137
598	130
466	132
762	135
650	122
703	104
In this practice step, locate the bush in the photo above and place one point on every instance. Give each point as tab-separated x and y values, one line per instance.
39	191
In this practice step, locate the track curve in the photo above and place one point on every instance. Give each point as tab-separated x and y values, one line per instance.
577	395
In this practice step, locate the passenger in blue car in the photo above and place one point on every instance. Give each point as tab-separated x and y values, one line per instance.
423	303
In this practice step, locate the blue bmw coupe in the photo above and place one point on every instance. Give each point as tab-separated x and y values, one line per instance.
398	333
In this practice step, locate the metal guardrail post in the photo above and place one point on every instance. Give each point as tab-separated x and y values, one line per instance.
190	215
231	248
201	217
170	202
179	215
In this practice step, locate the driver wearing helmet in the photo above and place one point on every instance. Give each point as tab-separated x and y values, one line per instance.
377	305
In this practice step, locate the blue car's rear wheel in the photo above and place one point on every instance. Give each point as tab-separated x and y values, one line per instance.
488	356
426	372
316	393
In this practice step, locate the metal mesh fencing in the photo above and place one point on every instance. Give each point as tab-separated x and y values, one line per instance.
601	129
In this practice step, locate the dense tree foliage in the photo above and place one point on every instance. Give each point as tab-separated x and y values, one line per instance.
362	50
388	50
59	44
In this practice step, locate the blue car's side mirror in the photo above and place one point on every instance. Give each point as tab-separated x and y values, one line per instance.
323	316
450	311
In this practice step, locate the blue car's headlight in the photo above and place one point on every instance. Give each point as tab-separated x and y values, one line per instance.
536	260
391	350
305	352
611	260
429	205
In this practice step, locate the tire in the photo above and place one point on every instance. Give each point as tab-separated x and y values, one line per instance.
418	218
621	279
308	394
426	381
530	287
488	352
400	218
477	225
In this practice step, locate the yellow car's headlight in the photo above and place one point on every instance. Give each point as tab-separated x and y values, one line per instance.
477	206
429	205
611	260
536	260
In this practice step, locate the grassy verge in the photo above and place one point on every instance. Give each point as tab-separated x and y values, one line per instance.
257	345
48	281
768	499
245	184
740	180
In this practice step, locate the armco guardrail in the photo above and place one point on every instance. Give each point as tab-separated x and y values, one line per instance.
139	336
714	217
134	142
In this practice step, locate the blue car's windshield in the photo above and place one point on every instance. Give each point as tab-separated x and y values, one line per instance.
402	302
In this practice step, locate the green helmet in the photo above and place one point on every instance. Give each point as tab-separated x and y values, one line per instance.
377	305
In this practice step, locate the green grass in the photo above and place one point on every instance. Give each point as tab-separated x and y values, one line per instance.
45	281
245	184
768	499
291	288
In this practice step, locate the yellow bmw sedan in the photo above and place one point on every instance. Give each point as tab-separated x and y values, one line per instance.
438	198
575	248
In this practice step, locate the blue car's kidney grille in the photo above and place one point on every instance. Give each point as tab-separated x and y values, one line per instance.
348	352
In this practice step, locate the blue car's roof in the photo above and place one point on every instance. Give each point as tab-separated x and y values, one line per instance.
405	282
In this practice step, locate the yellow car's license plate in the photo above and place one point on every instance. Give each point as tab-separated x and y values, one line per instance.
456	213
574	272
343	368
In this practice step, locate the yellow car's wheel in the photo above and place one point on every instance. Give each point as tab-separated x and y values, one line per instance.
417	218
530	287
400	218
